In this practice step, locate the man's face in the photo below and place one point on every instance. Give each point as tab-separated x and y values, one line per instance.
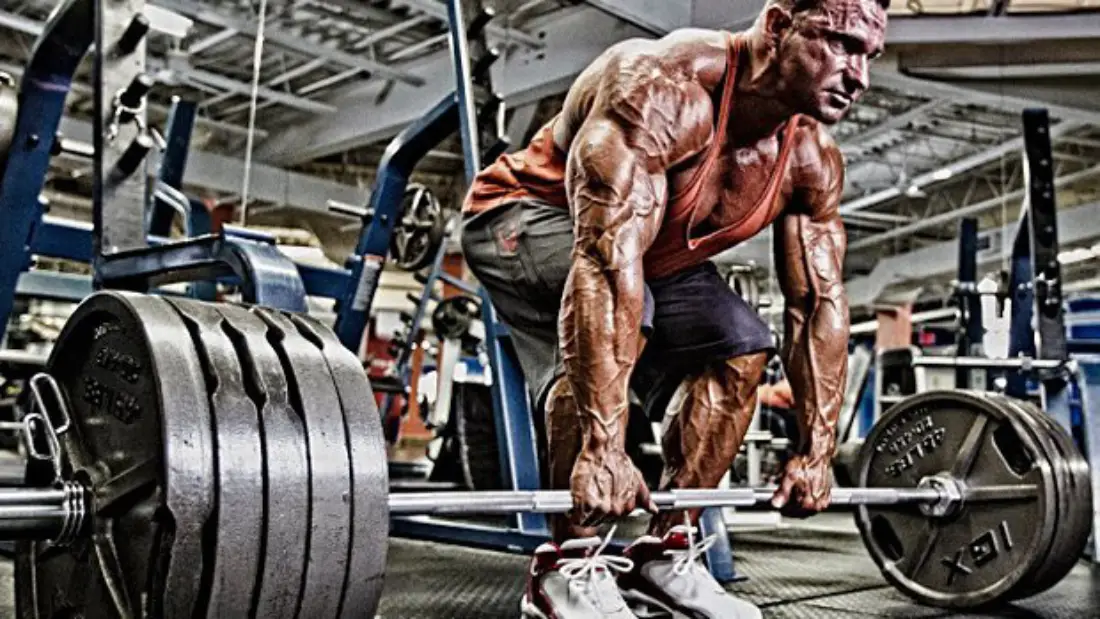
824	56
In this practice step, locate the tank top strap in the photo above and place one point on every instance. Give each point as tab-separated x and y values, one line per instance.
694	184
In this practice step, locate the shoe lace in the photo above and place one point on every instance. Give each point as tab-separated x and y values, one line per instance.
589	572
687	560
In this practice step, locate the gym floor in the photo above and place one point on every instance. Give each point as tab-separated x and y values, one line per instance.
818	571
812	571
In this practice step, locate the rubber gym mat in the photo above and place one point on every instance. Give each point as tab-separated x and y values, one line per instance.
793	574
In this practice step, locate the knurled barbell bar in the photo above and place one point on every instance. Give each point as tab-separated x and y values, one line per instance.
213	460
59	514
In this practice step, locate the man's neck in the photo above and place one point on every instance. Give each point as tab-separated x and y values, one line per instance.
757	112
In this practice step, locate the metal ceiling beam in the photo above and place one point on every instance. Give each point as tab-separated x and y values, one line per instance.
1016	29
289	41
897	121
191	74
371	112
999	98
16	71
965	164
1075	225
969	210
213	40
196	76
653	16
999	55
439	11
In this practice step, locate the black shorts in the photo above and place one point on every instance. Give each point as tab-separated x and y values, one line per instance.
521	254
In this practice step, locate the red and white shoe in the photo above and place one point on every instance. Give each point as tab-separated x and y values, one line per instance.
670	579
575	581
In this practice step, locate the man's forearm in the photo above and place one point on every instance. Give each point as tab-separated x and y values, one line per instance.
600	338
816	358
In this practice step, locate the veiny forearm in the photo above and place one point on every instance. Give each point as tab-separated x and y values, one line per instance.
815	350
601	325
816	359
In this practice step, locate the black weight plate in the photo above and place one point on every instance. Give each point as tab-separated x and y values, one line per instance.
286	474
979	555
1074	522
140	437
1063	527
370	521
313	393
238	463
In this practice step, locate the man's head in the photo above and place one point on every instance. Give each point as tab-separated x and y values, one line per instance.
821	51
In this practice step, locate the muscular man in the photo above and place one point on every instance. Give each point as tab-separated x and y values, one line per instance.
595	244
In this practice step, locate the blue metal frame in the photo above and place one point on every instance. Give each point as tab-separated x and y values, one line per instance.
173	163
516	436
365	267
42	92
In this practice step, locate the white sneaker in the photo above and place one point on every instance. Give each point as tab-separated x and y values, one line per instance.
575	581
669	576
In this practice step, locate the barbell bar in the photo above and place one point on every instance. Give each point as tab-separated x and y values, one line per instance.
44	513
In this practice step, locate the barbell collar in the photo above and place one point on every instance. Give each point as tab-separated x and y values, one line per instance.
56	514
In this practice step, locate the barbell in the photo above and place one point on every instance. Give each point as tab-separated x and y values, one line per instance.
189	459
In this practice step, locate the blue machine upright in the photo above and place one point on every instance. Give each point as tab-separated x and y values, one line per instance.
45	85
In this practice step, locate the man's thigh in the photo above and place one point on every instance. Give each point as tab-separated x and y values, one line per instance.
697	319
521	254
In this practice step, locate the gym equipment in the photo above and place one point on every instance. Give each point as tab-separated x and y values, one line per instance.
994	543
220	437
419	233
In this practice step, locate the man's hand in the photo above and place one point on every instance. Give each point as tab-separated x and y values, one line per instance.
606	485
806	487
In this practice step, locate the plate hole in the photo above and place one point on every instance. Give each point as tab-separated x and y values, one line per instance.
886	539
1012	449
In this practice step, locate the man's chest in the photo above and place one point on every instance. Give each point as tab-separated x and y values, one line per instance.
736	186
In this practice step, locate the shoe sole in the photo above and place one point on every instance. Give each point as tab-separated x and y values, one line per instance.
530	611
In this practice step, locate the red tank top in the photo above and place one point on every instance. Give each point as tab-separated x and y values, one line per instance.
538	172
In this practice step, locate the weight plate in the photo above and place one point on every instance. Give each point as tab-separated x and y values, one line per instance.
1075	522
977	556
1033	419
370	521
238	463
419	231
140	437
313	393
286	474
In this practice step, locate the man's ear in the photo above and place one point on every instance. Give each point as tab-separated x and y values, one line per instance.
777	21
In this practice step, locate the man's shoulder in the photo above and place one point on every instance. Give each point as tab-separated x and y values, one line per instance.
815	151
687	54
818	164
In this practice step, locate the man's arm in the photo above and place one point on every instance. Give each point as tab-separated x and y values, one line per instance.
645	119
810	248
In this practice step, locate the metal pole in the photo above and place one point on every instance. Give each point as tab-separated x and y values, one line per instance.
467	106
